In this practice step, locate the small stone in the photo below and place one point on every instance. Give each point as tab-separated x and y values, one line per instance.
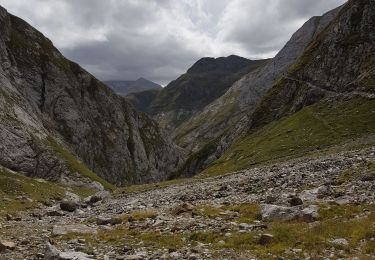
7	245
108	221
55	213
340	242
185	207
266	239
295	201
244	226
175	255
270	199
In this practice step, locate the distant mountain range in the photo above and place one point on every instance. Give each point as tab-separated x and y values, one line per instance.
125	87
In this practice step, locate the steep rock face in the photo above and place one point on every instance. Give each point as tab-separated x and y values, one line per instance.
205	81
229	110
125	87
51	107
339	61
326	97
208	134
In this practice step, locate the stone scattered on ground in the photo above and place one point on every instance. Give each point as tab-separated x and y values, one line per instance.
162	223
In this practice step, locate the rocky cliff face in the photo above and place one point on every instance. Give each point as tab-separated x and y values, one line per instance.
205	81
338	63
208	134
326	98
228	110
52	111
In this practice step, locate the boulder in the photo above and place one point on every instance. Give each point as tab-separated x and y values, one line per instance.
108	221
99	196
7	245
340	242
52	253
314	194
266	239
279	213
69	206
295	201
185	207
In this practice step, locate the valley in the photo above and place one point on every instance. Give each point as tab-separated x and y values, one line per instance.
235	159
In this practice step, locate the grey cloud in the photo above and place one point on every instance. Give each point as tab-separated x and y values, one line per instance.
160	39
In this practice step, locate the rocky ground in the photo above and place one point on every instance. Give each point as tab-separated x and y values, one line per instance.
320	208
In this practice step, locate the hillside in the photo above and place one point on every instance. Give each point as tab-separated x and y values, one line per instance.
205	81
326	98
208	134
125	87
60	123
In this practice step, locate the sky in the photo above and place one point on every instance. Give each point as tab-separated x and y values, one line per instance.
161	39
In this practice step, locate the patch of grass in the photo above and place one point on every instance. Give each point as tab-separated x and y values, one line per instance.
355	173
151	186
122	235
75	165
355	223
13	185
209	211
140	215
248	212
83	192
157	240
313	128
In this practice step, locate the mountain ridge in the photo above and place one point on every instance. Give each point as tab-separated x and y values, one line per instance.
126	87
205	81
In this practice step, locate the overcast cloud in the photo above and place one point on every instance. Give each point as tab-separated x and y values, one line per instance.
160	39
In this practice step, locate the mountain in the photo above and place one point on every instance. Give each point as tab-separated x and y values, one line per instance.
210	132
60	123
326	98
205	81
125	87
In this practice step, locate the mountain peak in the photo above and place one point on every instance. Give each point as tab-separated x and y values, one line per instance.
229	64
125	87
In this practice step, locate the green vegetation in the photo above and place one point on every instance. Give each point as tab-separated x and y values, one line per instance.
313	128
13	186
355	223
247	212
75	165
142	215
20	44
152	186
359	172
83	192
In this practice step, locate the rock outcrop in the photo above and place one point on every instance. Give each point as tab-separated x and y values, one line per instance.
54	115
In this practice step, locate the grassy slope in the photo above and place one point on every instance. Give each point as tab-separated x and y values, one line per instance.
13	185
314	127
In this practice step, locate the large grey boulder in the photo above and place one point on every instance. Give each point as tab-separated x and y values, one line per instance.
271	212
52	253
